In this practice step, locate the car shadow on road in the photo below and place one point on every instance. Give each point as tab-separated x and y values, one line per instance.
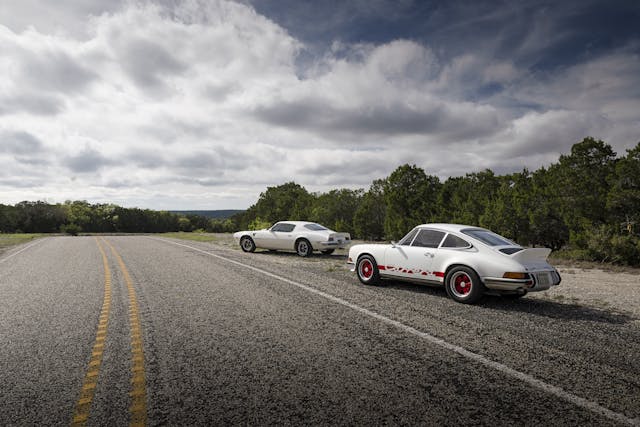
526	305
556	310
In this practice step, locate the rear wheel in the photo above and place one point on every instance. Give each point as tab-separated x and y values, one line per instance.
247	244
367	270
328	251
463	285
304	248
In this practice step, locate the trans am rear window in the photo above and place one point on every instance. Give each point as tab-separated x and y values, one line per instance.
315	227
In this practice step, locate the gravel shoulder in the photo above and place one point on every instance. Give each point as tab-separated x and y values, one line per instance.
602	288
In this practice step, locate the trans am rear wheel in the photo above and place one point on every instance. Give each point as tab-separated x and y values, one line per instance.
463	285
304	248
247	244
367	270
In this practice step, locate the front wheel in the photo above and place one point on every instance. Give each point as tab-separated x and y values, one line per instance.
367	270
463	285
304	248
247	244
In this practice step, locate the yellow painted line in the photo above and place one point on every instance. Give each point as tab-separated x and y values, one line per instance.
138	394
83	405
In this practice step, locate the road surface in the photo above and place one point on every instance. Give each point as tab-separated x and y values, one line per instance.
138	330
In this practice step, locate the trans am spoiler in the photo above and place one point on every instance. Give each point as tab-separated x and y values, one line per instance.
531	255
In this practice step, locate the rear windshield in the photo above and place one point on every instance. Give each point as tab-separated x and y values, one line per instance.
315	227
488	237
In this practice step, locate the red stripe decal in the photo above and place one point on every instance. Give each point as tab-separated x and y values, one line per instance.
382	267
439	274
424	273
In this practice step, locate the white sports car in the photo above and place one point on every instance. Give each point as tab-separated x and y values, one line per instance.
469	261
300	236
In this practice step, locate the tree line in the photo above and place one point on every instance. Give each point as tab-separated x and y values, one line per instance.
74	217
587	204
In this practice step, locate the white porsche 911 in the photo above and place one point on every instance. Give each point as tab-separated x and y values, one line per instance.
299	236
469	261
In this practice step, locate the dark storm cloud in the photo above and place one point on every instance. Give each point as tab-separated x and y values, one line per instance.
148	62
88	160
316	116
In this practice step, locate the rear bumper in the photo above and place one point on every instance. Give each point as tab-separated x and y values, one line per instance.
332	245
536	283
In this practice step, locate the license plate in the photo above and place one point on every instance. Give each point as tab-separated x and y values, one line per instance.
544	278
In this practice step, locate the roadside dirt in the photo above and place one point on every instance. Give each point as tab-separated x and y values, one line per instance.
597	288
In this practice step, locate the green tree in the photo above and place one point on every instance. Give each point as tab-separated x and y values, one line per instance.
336	209
507	213
411	199
623	199
547	227
288	201
582	182
368	219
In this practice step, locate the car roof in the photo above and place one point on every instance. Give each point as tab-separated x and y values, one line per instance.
297	222
449	227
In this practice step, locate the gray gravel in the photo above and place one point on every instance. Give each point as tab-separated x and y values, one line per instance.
227	345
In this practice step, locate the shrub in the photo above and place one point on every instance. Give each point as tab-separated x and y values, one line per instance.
71	229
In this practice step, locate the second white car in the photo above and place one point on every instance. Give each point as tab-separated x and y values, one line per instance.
300	236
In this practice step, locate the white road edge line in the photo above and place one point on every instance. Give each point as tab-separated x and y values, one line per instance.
539	384
21	250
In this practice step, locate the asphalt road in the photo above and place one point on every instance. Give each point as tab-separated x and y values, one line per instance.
222	337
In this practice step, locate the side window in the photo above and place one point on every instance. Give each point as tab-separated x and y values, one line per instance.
428	239
406	240
283	227
455	242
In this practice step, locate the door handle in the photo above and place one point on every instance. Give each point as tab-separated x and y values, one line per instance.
429	254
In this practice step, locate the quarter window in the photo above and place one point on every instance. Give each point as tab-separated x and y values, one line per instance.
455	242
428	239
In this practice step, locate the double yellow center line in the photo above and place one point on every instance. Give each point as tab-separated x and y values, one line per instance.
138	393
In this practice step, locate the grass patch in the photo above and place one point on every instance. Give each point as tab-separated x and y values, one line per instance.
8	240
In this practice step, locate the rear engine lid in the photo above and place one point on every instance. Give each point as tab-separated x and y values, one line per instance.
532	256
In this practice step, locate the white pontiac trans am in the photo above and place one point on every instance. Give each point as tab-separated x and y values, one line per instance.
300	236
469	261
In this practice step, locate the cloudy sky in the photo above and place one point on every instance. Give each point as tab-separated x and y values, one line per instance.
198	104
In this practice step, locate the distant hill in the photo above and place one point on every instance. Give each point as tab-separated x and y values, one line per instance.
220	214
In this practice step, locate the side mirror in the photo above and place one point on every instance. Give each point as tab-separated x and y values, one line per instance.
393	244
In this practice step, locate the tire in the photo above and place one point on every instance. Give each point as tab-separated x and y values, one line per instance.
247	244
367	270
463	285
304	248
328	251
